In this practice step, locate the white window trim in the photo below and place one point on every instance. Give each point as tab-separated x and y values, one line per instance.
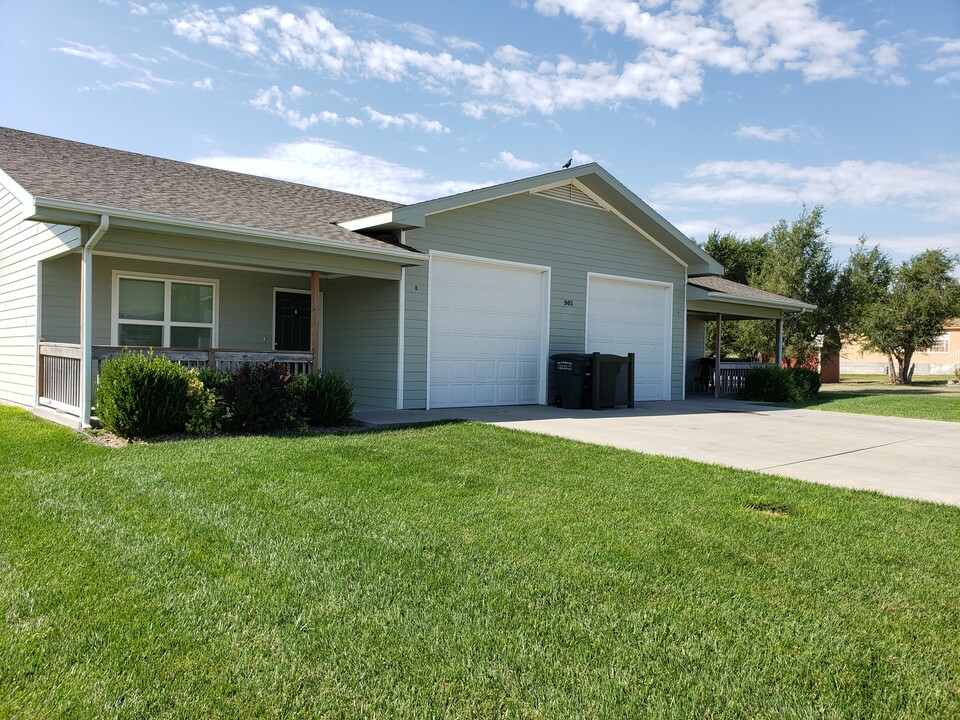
945	339
166	322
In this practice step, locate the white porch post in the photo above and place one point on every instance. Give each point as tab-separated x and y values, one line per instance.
716	360
315	319
779	342
86	320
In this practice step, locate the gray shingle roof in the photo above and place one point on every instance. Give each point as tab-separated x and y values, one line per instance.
712	283
59	169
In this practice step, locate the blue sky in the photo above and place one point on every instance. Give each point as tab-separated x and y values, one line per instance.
722	115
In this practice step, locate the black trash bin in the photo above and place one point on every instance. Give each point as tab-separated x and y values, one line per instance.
574	380
607	373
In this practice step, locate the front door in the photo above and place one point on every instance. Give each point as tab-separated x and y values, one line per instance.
292	321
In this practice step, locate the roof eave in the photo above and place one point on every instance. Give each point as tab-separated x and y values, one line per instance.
73	212
794	306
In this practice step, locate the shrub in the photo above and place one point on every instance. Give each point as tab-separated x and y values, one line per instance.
767	384
206	408
773	384
806	383
139	395
326	399
257	400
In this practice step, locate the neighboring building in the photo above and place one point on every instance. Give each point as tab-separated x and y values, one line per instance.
941	358
452	302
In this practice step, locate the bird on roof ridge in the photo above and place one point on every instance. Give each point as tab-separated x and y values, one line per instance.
567	163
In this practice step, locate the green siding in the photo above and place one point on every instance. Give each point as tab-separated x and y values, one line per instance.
360	334
60	303
572	240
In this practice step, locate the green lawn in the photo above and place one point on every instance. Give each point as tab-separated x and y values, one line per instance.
928	398
458	571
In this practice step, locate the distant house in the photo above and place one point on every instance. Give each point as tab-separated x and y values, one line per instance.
452	302
941	358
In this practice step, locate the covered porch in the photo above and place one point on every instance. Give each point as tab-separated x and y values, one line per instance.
211	302
716	299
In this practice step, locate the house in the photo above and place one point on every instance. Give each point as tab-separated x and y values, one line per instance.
941	358
452	302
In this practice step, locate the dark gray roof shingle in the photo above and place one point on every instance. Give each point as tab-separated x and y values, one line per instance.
713	283
59	169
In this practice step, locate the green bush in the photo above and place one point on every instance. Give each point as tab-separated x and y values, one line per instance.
806	383
773	384
257	400
206	408
139	395
325	399
767	384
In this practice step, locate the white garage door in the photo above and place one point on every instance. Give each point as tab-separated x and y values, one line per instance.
487	332
625	316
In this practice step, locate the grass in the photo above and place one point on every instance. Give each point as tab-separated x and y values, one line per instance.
458	571
928	397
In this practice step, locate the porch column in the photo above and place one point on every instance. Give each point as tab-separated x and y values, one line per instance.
315	318
86	321
779	342
716	359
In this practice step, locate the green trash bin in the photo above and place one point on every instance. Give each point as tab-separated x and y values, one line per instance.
574	374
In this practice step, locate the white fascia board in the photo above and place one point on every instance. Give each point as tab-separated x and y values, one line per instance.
385	218
25	199
796	306
167	223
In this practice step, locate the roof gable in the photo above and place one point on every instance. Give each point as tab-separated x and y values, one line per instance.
592	184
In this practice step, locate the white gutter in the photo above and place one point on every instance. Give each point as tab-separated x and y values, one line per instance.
86	320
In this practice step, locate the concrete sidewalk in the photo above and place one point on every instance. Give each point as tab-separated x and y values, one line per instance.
897	456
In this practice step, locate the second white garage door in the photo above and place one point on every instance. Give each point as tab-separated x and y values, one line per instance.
488	327
626	315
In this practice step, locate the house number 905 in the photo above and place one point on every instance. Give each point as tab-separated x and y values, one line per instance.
568	303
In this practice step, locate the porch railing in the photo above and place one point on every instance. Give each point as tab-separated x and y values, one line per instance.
732	375
59	367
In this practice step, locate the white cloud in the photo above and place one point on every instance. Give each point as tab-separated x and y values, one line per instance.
277	102
580	158
933	189
509	160
792	133
205	84
147	8
412	120
458	43
904	245
948	58
676	43
326	164
88	52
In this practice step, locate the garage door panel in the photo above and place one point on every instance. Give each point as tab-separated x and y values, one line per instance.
488	317
625	316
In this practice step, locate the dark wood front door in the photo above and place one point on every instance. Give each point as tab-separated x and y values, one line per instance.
292	321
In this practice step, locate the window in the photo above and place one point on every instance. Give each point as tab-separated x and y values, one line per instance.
940	345
164	312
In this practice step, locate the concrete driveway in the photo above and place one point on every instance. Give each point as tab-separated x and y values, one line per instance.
897	456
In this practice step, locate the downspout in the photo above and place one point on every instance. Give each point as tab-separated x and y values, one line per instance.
86	320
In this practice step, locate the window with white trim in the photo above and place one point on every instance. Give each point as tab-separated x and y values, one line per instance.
164	311
940	345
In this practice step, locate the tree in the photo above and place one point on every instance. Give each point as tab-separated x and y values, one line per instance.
798	263
920	299
741	258
865	280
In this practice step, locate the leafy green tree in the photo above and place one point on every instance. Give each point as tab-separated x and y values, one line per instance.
799	264
865	280
922	296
